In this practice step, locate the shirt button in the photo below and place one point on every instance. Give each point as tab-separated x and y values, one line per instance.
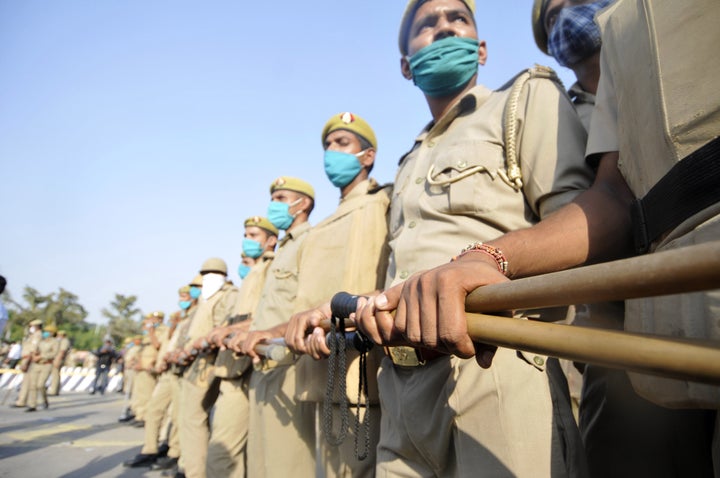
403	275
539	361
461	164
411	224
419	180
430	144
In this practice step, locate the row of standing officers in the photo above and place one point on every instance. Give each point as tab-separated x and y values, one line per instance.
512	182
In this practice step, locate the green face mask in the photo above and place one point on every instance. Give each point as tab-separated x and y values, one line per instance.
445	66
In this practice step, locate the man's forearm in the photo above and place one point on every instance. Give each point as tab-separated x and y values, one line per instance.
594	227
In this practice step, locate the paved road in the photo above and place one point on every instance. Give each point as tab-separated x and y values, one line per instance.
77	437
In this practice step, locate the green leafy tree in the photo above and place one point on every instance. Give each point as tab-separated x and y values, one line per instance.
124	317
61	308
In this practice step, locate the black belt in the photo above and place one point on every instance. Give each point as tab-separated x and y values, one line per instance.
236	319
692	185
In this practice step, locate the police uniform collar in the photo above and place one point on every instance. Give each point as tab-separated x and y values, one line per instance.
294	232
360	189
268	256
465	105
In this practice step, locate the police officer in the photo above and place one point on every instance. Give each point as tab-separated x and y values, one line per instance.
130	359
29	346
468	179
566	30
189	296
349	247
281	430
154	334
64	345
160	400
41	366
199	385
226	451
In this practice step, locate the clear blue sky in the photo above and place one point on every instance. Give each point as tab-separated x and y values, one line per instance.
136	136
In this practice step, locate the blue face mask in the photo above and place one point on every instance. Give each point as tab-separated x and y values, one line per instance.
195	292
185	304
279	214
445	66
243	271
46	335
252	248
341	168
575	35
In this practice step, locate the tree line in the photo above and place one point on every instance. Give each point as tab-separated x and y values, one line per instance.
64	310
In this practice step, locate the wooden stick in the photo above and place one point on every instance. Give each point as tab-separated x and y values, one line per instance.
678	271
694	360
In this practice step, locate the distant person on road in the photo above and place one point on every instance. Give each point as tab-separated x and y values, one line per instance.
14	355
105	356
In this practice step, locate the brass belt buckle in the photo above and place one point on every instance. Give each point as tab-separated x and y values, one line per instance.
404	356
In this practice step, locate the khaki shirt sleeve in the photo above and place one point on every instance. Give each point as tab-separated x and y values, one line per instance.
603	135
551	153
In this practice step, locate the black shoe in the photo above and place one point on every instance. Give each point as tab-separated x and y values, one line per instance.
31	409
126	418
163	449
164	463
140	460
138	423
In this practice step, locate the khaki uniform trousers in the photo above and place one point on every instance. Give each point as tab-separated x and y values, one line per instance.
228	439
451	418
54	388
143	386
195	404
24	390
128	381
156	412
38	375
281	439
342	461
174	438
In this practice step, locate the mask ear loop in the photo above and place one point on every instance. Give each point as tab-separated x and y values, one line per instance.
293	204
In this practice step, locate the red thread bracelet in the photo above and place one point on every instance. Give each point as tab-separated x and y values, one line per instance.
497	255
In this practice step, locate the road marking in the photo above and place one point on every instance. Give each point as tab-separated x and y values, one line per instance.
48	437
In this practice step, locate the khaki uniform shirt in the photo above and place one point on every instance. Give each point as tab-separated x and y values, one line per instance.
47	349
252	285
345	252
655	112
63	348
228	364
167	343
279	292
131	356
148	353
30	343
212	312
438	207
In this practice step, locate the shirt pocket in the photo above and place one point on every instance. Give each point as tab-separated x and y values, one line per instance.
286	281
460	179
